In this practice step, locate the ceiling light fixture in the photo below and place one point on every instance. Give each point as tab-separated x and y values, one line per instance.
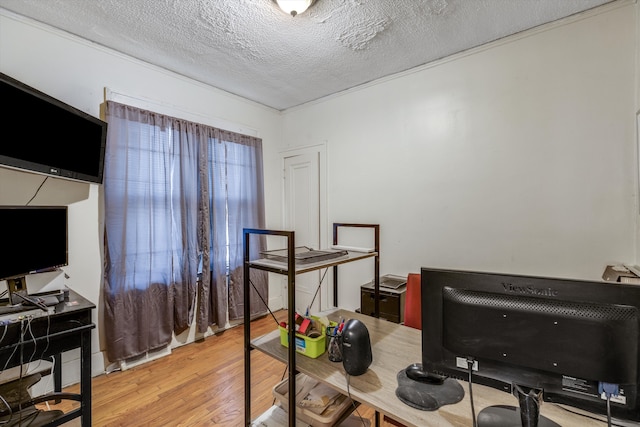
294	7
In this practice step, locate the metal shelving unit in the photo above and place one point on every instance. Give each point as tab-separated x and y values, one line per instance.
290	269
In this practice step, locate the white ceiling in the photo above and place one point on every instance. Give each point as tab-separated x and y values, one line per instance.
252	49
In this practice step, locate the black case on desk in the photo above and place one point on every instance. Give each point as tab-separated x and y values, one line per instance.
391	302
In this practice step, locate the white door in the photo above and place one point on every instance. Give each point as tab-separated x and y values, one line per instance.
302	215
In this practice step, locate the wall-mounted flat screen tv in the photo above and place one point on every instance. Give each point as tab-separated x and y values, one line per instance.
48	136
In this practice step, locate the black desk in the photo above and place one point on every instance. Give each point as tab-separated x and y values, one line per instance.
33	334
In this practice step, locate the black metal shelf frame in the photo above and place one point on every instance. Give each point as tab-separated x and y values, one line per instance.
290	271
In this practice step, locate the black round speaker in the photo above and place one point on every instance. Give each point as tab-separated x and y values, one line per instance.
356	347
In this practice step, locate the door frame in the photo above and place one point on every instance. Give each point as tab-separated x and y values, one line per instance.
321	151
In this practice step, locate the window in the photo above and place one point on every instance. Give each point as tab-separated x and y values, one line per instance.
158	170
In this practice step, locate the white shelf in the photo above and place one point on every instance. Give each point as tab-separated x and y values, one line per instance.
282	267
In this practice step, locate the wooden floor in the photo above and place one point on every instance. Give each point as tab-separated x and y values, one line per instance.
199	384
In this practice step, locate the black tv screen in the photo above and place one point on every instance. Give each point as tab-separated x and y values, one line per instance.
34	239
48	136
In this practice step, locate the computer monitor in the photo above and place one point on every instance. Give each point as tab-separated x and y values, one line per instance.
564	339
34	239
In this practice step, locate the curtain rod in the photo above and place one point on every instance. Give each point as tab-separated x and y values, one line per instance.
175	111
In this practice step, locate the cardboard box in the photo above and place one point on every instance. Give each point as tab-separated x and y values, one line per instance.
336	408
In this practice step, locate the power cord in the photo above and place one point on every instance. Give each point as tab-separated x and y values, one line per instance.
614	422
50	383
33	339
25	328
37	191
470	363
48	335
21	345
6	404
353	402
4	331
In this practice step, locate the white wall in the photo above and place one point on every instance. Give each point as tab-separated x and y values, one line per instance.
518	157
78	73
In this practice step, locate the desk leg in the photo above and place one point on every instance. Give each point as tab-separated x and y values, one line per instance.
57	375
85	378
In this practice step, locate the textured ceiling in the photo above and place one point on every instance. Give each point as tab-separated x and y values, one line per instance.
252	49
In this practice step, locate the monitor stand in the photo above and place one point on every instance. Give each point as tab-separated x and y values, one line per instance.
17	288
527	415
18	293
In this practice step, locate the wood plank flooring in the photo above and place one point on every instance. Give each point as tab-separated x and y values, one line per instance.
199	384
